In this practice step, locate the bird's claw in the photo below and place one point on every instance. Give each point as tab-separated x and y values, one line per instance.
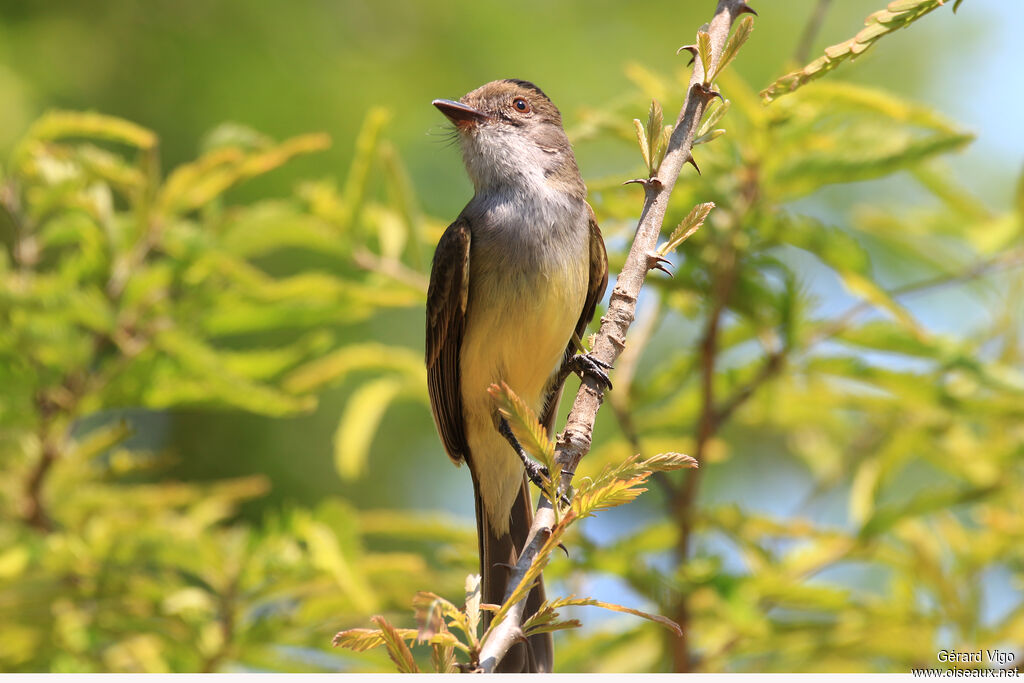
584	364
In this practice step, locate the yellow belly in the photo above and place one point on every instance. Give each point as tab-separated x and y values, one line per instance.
516	332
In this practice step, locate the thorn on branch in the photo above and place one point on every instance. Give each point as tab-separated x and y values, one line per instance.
638	181
692	49
707	92
690	160
746	9
655	261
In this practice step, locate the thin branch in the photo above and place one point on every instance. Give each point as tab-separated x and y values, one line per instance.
684	502
810	32
34	513
575	441
392	268
773	363
226	619
1003	261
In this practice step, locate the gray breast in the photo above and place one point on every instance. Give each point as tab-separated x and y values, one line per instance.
525	236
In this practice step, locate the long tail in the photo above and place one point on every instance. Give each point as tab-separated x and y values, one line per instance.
497	554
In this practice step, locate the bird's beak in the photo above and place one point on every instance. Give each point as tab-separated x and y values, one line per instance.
460	114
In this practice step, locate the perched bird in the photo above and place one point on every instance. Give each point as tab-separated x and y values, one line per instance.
515	280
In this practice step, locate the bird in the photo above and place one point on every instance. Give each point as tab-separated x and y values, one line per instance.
514	282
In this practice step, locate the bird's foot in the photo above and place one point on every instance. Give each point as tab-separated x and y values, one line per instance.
535	472
584	364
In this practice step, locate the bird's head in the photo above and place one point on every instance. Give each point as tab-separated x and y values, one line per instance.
511	135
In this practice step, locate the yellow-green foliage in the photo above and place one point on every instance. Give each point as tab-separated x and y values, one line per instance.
900	503
119	288
897	14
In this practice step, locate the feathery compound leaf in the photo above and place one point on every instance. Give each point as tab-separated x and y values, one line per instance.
620	485
655	121
666	462
611	494
544	621
429	616
633	466
425	602
641	139
708	137
523	421
573	601
687	227
358	639
704	50
897	15
716	110
442	654
394	640
473	596
196	184
666	136
363	639
735	42
859	133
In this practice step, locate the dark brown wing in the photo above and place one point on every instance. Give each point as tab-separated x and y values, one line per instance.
595	291
598	277
447	298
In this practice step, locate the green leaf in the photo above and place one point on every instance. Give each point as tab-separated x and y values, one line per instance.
194	373
862	287
359	422
363	639
398	650
193	185
838	133
366	145
335	367
611	494
712	115
884	518
618	485
744	28
641	139
474	586
585	602
100	440
882	335
326	554
524	423
864	489
270	226
651	84
57	125
655	136
896	16
704	52
689	225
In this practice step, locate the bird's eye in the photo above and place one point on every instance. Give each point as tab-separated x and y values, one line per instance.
521	105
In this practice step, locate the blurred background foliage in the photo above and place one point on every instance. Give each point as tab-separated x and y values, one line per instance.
214	436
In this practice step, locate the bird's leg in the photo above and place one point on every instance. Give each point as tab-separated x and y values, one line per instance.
537	473
584	364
